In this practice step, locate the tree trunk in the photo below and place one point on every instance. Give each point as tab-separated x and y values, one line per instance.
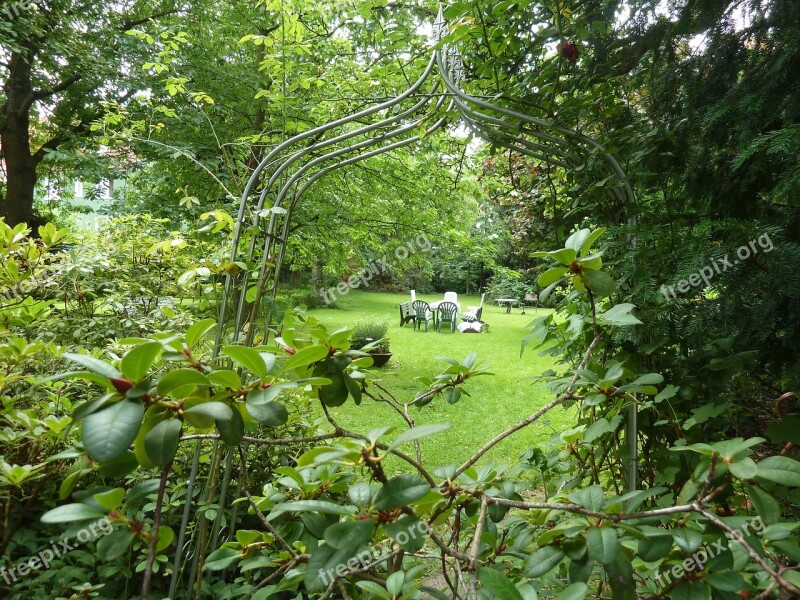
17	206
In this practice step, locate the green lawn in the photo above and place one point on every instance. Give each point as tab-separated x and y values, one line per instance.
495	402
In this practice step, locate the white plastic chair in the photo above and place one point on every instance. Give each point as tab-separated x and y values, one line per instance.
473	310
452	297
413	296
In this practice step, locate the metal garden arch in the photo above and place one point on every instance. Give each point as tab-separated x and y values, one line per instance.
289	170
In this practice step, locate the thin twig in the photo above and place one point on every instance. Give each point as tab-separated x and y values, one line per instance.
475	549
261	516
151	551
268	442
567	395
786	585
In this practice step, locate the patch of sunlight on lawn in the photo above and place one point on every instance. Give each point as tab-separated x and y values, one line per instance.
495	402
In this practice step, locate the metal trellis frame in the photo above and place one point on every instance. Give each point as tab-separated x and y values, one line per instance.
284	175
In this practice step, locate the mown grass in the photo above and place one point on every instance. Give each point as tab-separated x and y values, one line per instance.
495	402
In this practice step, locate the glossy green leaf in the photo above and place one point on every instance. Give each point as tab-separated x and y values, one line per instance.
619	315
691	590
780	469
196	332
543	561
165	537
575	591
600	283
408	532
225	378
72	512
744	468
95	365
687	539
305	356
335	393
232	430
649	379
375	590
222	558
655	546
394	583
586	247
92	406
268	394
120	466
577	239
161	442
565	255
551	276
115	544
219	411
138	360
452	395
360	494
416	433
602	543
343	541
248	358
497	583
111	499
727	581
181	380
401	490
353	388
766	506
271	414
108	433
590	498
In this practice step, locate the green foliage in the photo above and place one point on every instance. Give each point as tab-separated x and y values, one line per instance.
370	331
508	287
708	133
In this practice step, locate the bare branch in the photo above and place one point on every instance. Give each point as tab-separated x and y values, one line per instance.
786	585
37	95
567	395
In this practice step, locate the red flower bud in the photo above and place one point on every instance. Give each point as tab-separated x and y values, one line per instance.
569	50
289	350
121	385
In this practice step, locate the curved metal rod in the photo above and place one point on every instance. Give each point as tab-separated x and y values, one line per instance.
474	118
322	129
365	143
512	142
470	115
311	181
270	234
294	178
335	140
254	177
281	168
612	162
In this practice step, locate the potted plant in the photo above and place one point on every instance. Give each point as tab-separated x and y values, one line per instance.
369	335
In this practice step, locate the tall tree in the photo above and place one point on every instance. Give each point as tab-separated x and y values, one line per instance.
60	60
